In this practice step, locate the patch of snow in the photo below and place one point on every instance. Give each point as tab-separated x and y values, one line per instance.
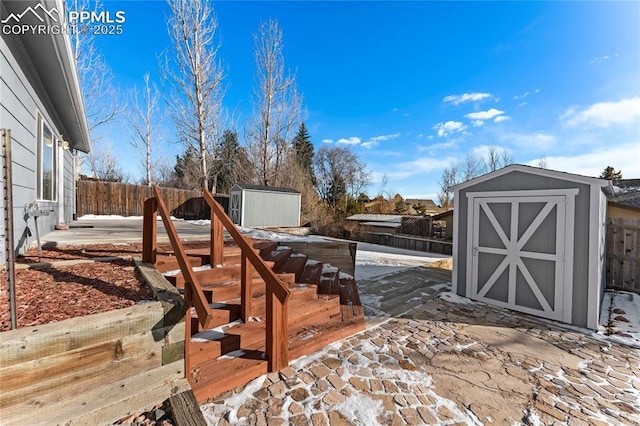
373	260
360	409
207	336
531	418
298	255
620	318
232	354
195	268
328	268
452	297
201	222
213	412
344	275
109	217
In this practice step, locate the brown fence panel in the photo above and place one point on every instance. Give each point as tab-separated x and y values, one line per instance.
124	199
623	254
404	242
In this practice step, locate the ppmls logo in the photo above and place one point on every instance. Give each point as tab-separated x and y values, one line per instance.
33	20
32	10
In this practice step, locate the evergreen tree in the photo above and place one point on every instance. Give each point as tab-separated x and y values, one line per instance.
610	173
303	150
233	164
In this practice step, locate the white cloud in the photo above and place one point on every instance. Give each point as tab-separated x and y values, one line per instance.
524	95
477	123
327	140
484	115
436	146
604	114
449	127
623	157
466	97
501	118
521	104
536	140
370	143
406	114
353	140
600	59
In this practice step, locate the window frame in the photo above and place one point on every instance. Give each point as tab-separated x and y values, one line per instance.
44	127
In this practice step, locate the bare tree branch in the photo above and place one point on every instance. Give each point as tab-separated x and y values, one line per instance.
192	69
144	122
278	107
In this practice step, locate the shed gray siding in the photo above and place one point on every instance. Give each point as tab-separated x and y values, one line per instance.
519	181
264	208
21	98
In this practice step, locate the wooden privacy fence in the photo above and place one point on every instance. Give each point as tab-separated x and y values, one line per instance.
125	199
404	242
623	254
97	368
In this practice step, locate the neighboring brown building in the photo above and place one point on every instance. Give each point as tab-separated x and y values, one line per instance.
447	218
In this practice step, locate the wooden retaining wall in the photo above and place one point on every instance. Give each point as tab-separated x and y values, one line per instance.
405	242
98	368
340	254
124	199
623	254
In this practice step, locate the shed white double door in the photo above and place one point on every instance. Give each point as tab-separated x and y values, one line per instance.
522	250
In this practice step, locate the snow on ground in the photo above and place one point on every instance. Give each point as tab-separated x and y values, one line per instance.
620	318
373	260
108	217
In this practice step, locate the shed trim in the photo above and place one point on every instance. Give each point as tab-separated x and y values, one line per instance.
593	301
536	171
525	193
454	253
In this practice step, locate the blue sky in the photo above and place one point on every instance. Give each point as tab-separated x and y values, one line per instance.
412	87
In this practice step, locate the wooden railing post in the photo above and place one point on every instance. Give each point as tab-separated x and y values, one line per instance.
277	292
188	296
217	240
246	290
277	341
149	230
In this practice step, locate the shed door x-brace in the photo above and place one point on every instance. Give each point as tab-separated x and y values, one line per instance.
522	250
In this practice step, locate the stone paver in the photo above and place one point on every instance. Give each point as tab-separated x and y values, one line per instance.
450	364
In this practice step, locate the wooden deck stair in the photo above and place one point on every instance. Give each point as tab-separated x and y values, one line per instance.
323	308
254	305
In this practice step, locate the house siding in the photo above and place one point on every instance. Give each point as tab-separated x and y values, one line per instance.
519	181
21	99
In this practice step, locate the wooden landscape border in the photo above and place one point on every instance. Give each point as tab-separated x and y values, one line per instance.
98	368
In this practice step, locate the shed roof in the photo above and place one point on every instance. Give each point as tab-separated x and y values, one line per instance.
383	224
370	217
264	188
443	215
571	177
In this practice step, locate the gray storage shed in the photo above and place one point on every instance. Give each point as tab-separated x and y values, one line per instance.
254	205
532	240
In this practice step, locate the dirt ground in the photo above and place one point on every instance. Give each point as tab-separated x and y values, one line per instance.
46	293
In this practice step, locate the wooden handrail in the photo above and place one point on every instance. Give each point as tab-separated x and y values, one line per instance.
279	288
277	292
199	300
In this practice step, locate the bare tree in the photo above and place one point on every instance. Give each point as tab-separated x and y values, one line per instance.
195	74
144	121
496	158
543	163
277	105
339	173
100	97
448	179
105	166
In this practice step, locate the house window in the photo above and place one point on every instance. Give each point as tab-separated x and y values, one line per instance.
46	162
